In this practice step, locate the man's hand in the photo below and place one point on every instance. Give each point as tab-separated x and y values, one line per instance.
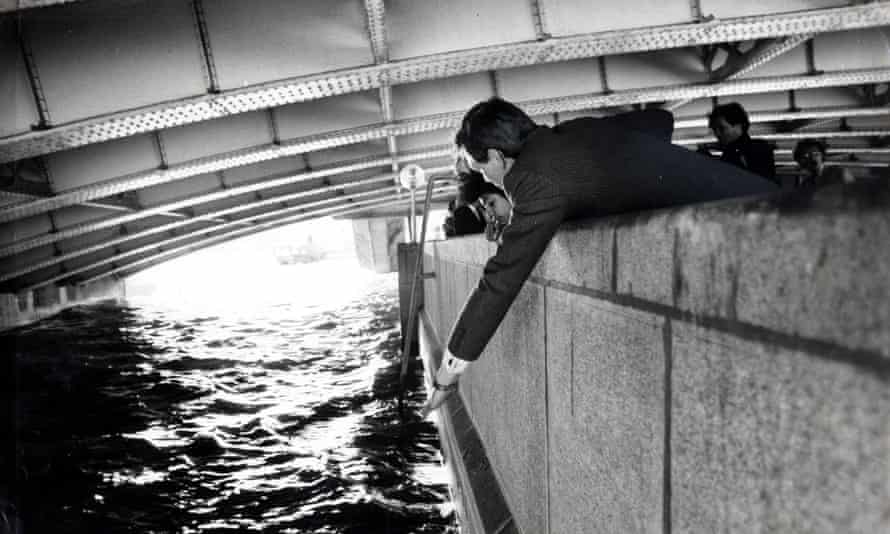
436	399
447	375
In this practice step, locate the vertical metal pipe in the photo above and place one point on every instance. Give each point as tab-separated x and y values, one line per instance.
418	274
413	217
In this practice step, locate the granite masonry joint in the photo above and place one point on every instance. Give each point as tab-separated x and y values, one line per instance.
667	339
614	260
677	288
866	359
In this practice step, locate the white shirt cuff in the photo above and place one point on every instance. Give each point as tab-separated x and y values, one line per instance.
453	364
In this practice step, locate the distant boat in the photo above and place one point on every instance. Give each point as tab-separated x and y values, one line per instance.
307	252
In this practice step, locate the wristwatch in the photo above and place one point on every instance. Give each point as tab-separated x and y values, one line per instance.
449	388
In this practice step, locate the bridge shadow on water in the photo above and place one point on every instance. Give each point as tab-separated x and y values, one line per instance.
81	389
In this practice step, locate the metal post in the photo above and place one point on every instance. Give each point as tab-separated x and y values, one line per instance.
413	216
418	273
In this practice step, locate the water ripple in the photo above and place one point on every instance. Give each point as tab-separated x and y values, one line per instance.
144	420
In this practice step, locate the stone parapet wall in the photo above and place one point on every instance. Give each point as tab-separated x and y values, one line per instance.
723	367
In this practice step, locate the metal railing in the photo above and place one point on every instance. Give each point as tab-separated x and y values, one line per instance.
415	282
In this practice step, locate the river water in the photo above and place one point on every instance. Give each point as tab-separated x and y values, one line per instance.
264	407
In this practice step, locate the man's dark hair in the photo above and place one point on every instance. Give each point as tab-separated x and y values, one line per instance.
494	123
473	185
804	146
733	113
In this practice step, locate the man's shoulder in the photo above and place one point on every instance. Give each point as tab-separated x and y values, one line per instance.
760	144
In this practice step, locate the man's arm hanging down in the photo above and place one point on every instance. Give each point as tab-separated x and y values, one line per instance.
524	241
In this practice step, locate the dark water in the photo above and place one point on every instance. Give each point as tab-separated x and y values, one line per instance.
275	417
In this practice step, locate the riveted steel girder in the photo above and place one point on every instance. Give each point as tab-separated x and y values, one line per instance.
214	216
761	56
754	60
734	87
440	66
74	231
779	116
186	170
186	249
376	195
839	151
435	122
376	16
850	164
177	172
17	5
793	136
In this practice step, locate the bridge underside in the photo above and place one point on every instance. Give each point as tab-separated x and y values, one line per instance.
133	132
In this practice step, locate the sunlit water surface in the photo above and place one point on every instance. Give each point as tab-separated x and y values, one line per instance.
266	403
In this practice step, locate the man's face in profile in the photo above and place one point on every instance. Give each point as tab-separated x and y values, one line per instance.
493	170
726	133
812	161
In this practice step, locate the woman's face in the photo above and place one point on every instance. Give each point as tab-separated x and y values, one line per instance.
495	207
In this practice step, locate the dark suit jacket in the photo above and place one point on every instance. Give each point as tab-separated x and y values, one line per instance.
755	155
586	167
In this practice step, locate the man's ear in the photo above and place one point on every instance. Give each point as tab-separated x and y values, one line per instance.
460	164
495	154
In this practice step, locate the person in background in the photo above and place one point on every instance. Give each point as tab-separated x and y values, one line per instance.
463	216
492	202
580	168
496	210
810	156
730	124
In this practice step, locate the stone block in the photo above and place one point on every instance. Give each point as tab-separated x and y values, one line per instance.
9	310
441	283
479	249
472	249
605	375
580	254
806	264
644	257
477	493
449	272
431	288
505	395
706	261
490	505
766	439
46	296
26	301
